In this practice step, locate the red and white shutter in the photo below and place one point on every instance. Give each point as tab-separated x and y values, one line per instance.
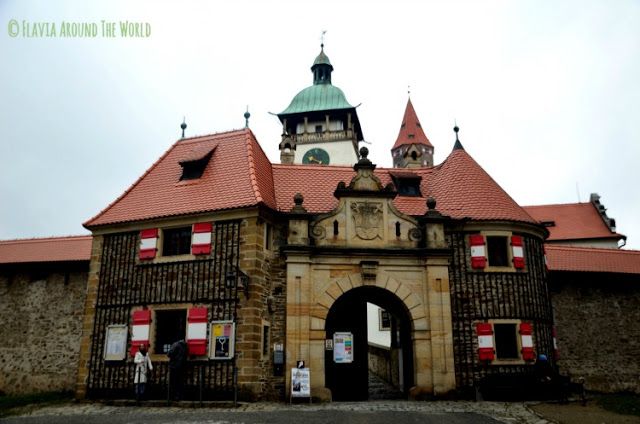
148	243
197	319
478	251
518	252
486	350
140	329
526	341
556	351
201	238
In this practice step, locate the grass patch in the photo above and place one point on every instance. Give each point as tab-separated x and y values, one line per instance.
10	402
621	403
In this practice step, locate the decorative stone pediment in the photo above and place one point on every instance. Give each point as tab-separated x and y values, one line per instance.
365	215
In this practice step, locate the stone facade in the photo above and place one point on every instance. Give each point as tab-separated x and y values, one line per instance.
40	306
492	296
598	326
120	283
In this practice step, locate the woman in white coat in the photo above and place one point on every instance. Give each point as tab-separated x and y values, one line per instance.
143	371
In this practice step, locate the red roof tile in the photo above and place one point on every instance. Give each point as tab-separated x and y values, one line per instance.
52	249
573	221
462	189
586	259
237	175
240	175
411	131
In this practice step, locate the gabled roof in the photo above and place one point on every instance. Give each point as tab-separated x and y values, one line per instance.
411	131
237	175
51	249
572	221
588	259
240	175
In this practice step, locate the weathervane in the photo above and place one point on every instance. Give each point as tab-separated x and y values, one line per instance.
322	39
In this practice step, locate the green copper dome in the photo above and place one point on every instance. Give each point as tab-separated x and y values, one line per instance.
317	97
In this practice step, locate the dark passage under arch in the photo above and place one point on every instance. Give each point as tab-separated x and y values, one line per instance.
349	381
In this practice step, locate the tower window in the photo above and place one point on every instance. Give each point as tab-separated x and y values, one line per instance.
498	252
506	341
176	241
318	128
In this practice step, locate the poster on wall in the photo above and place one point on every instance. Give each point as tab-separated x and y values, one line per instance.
300	382
342	348
115	347
223	336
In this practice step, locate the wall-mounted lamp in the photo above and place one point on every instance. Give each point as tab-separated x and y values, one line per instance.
235	277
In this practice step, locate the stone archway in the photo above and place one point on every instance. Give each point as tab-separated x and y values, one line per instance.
348	380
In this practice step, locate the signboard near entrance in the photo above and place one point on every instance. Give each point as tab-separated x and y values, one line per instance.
300	382
342	348
223	340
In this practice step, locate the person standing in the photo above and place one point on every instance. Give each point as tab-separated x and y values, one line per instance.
177	360
143	371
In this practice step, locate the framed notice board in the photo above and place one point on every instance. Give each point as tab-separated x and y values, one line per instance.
342	348
223	340
115	346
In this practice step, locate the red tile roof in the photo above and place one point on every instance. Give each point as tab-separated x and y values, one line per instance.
586	259
573	221
462	189
411	131
240	175
237	175
52	249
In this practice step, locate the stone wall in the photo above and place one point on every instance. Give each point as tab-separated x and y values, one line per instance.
41	308
598	329
479	296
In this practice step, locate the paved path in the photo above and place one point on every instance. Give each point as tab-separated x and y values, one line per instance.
374	412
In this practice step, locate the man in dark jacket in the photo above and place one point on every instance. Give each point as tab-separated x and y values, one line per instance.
177	361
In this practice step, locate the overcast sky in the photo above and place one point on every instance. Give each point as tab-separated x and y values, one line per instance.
546	93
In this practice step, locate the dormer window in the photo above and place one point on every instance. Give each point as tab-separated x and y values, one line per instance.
193	167
407	183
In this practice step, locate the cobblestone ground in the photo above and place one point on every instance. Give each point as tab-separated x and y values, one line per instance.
502	412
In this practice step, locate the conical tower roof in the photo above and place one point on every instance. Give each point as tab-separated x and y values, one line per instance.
411	131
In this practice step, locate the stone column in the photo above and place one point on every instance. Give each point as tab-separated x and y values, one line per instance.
93	282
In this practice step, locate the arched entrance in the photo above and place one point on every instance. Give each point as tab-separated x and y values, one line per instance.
348	314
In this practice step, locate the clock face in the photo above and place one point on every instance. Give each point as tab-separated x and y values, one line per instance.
316	156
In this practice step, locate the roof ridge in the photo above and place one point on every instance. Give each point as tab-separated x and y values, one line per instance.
557	204
252	167
87	224
196	138
590	249
45	239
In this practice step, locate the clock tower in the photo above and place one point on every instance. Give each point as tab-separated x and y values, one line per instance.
319	126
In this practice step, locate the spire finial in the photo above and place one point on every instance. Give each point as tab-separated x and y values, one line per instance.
457	145
183	125
409	90
246	117
322	39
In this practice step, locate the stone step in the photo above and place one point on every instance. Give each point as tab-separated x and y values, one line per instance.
379	389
